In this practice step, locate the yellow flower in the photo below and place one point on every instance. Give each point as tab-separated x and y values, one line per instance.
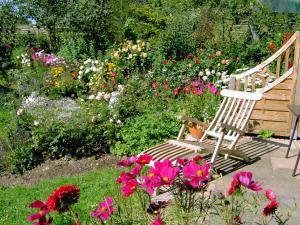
110	67
57	83
57	71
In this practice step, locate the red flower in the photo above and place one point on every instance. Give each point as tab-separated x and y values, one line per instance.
189	56
157	221
113	74
272	47
74	75
286	37
165	62
40	216
197	158
291	63
270	208
63	197
197	60
154	85
270	195
187	89
129	187
211	56
104	210
124	177
173	61
156	94
144	159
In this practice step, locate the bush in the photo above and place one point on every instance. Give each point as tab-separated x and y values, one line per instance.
87	132
145	131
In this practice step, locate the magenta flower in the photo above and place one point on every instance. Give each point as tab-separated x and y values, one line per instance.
40	216
270	208
187	89
157	221
214	90
129	187
144	159
124	177
270	195
158	165
150	183
168	174
244	179
127	162
104	210
195	173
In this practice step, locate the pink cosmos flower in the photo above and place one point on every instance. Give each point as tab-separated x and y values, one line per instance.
214	90
195	173
244	179
270	208
129	187
124	177
168	174
157	221
270	195
40	216
181	162
127	162
187	89
151	182
104	210
218	53
144	159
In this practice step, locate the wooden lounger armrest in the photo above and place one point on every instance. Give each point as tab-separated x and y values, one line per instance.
229	127
190	119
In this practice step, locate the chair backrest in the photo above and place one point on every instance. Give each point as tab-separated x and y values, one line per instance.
235	110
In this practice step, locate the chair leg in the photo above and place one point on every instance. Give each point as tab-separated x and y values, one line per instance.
296	165
217	148
291	137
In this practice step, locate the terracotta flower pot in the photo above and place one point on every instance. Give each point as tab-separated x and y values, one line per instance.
196	130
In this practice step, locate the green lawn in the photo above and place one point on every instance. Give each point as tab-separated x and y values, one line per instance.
93	187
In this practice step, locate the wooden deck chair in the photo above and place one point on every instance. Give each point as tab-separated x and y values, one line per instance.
229	124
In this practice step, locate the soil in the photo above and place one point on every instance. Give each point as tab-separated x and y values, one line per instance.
57	168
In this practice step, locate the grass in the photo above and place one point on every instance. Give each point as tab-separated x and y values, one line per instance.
94	186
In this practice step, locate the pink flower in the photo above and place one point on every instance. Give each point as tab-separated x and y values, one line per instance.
227	61
144	159
129	187
104	210
223	61
124	177
151	182
214	90
154	85
157	221
194	84
181	162
156	94
127	162
218	53
168	174
195	173
187	89
244	179
270	195
270	208
41	215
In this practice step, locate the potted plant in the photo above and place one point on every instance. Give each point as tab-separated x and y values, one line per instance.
202	109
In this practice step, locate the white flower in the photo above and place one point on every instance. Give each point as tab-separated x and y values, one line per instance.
82	100
119	122
36	123
94	69
20	112
87	71
116	55
144	54
91	97
96	61
208	73
204	78
224	73
111	120
134	47
106	96
81	67
139	49
201	73
213	72
130	56
80	72
219	74
120	88
138	41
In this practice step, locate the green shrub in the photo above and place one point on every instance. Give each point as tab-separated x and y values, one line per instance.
145	131
87	132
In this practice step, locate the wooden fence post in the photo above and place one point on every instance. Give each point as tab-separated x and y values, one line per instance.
232	82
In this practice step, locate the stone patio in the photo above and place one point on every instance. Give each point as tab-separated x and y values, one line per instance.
269	166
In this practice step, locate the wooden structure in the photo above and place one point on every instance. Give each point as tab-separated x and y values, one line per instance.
277	79
228	125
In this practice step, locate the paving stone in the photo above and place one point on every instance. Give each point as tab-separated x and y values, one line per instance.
283	163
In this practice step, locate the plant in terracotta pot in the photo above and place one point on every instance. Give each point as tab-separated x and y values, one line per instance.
201	108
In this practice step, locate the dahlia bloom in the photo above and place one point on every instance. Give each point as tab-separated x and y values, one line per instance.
40	216
244	179
129	187
270	208
63	197
195	173
104	210
157	221
144	159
